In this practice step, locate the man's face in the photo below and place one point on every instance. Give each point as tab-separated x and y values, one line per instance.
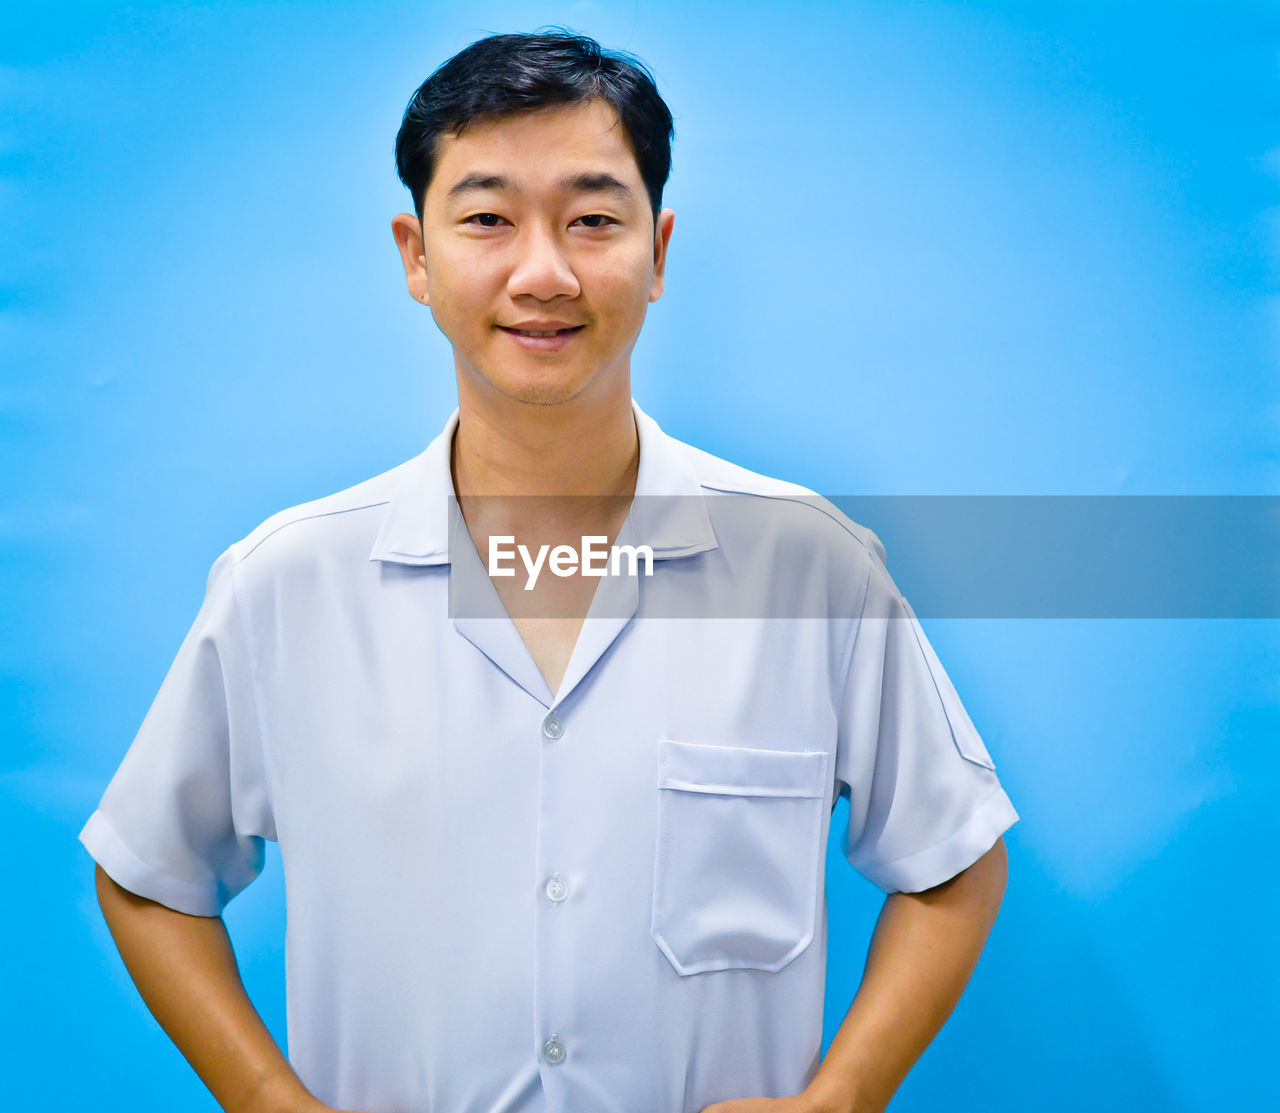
538	219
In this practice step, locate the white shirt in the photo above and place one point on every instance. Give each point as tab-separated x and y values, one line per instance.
610	899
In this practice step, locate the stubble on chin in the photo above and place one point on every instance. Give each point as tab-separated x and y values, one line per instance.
534	394
552	390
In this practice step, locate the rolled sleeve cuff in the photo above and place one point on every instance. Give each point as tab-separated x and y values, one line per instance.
943	860
132	873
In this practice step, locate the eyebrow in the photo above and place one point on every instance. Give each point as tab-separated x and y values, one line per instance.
599	182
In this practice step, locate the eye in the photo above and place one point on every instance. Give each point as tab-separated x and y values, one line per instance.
490	220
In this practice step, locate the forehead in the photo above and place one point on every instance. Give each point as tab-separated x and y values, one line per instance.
538	148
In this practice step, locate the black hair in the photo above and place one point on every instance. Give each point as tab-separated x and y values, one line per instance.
505	74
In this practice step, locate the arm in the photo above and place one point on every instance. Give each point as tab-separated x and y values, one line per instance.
186	971
922	954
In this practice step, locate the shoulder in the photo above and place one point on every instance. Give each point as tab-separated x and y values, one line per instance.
789	505
340	523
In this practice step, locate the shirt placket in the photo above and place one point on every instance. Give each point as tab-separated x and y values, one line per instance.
557	1033
562	886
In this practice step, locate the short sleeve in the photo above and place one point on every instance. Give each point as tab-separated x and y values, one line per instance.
183	819
924	799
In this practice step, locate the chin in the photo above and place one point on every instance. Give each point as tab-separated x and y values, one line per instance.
533	385
533	397
547	388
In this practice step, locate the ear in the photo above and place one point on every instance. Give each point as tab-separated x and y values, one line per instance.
661	238
413	253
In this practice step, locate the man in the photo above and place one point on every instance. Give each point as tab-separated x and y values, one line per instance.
551	841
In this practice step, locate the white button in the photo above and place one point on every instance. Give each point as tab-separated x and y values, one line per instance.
553	726
557	890
553	1050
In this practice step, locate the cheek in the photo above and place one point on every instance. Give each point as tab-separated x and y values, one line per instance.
464	295
623	284
458	273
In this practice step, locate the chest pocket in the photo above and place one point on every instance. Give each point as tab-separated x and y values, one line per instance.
738	857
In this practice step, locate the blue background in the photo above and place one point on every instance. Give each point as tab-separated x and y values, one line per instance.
920	248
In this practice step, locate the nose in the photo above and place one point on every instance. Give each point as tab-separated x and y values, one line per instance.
542	269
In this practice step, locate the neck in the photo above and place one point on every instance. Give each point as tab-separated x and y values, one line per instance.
580	447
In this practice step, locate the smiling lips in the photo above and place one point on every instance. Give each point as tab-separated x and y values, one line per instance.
540	328
542	336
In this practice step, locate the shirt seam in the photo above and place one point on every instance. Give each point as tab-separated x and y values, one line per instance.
846	659
800	500
918	631
309	517
250	644
806	500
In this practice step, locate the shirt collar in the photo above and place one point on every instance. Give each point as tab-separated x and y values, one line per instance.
669	511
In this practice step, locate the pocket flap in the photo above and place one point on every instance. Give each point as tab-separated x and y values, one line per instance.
741	770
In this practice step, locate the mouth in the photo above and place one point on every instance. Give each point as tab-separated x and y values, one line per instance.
548	341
